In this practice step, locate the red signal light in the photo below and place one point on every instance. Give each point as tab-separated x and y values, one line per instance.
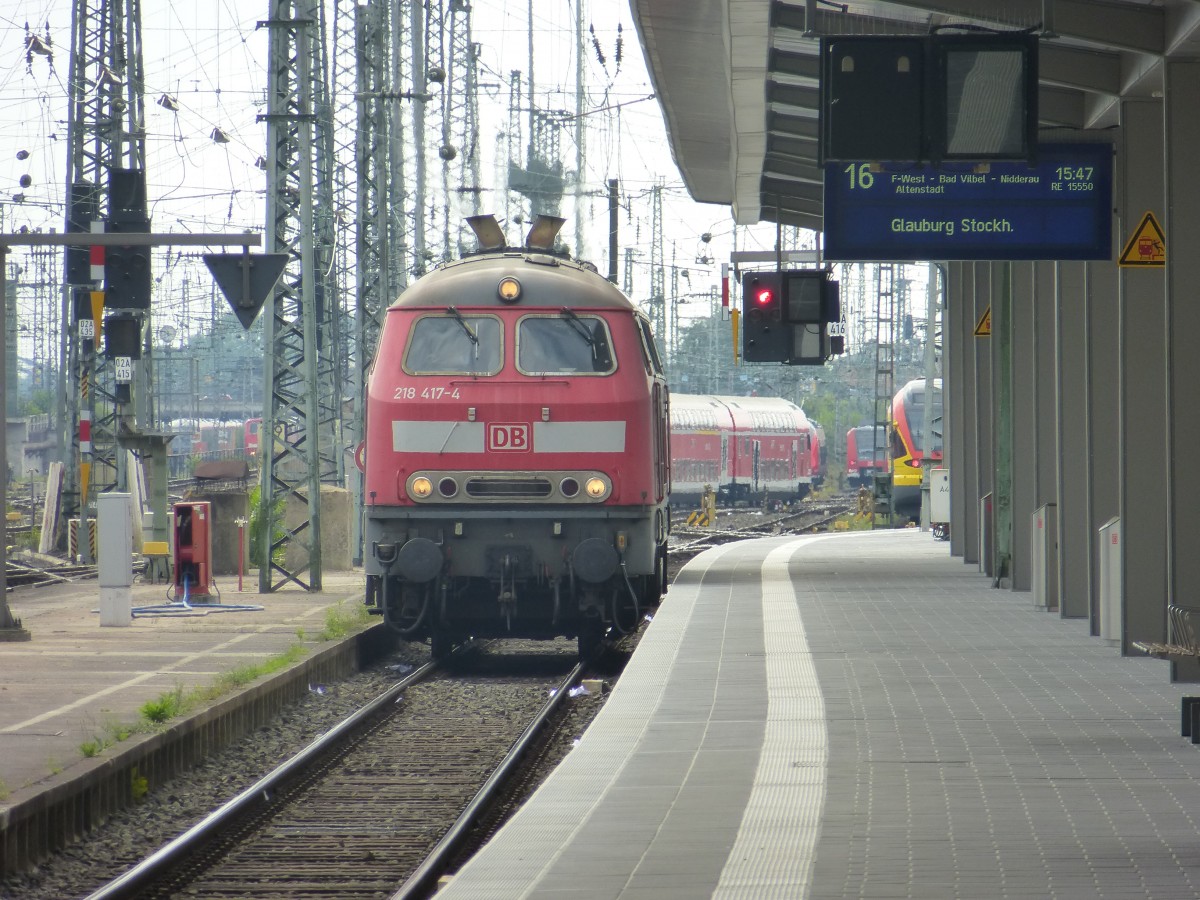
764	296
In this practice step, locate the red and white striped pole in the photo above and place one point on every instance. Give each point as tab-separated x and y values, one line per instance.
89	328
725	290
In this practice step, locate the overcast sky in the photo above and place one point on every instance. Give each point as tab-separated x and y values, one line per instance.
210	56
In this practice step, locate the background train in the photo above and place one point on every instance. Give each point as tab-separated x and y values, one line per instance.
744	447
908	450
866	454
517	451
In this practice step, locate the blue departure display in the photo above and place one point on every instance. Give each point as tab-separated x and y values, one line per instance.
1058	208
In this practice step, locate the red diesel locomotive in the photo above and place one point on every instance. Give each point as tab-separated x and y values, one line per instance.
517	456
743	447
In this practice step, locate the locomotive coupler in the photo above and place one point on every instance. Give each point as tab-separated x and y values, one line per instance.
508	590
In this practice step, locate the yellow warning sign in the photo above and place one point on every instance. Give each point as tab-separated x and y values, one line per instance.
1147	246
983	328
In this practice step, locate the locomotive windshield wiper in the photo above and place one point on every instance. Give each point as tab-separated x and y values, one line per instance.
463	322
577	324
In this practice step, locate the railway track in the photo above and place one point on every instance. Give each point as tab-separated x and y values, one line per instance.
386	796
739	525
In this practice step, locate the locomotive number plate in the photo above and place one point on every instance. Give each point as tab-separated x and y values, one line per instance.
508	437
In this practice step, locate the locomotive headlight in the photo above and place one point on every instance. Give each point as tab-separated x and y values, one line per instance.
421	486
596	488
509	289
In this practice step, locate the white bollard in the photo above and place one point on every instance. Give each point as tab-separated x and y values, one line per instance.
114	558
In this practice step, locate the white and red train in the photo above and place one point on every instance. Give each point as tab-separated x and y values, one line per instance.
516	459
743	448
866	454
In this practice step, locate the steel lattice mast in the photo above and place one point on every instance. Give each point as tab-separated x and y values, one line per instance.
460	146
658	309
290	495
371	162
329	259
105	131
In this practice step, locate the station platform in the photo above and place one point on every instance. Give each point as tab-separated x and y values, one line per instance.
77	682
862	716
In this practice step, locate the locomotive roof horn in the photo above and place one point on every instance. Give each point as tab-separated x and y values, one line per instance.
545	229
487	231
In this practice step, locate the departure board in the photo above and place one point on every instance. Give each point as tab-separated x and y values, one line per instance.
1059	207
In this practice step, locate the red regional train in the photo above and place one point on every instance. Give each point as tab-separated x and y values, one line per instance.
820	462
866	454
516	458
744	447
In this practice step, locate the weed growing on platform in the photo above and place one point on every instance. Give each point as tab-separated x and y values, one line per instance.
53	766
94	748
4	791
164	707
243	675
340	620
118	731
175	703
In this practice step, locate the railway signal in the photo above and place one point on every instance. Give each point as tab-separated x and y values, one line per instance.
765	337
787	317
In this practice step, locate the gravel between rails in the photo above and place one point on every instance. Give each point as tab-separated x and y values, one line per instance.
135	833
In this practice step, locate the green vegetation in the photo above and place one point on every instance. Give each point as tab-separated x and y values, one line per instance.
258	527
93	748
139	787
118	731
4	791
164	707
340	620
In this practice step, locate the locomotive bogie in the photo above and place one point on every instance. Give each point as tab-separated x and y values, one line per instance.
533	573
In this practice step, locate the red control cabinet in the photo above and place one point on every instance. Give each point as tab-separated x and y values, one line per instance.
193	549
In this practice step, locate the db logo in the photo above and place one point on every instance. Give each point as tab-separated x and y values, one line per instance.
508	437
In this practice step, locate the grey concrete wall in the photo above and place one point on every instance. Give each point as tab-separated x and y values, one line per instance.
1074	539
954	386
336	515
984	413
1024	419
1103	387
1181	226
1143	384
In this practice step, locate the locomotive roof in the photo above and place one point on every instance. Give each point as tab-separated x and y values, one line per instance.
546	282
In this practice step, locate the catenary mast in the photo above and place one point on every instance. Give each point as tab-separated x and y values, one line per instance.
105	132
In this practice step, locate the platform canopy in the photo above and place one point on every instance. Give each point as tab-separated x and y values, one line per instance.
738	80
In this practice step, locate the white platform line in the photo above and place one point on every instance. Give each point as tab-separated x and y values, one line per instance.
773	853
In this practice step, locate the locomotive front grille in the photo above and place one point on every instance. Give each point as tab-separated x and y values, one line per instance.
508	487
571	486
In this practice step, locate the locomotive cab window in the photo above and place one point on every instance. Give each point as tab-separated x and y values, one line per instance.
564	344
653	363
454	344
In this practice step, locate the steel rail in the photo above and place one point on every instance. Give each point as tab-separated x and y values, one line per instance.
154	866
423	881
